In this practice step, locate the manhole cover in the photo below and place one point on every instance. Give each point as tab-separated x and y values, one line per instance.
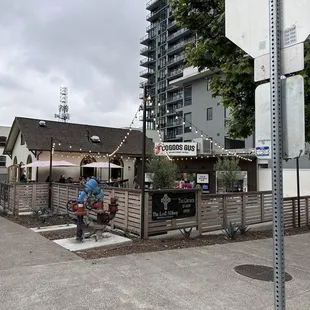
258	272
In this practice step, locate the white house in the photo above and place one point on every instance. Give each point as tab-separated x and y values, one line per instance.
5	160
30	140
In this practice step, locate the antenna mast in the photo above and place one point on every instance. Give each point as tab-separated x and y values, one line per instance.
63	109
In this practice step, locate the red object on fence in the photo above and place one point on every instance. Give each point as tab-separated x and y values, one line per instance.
98	205
113	205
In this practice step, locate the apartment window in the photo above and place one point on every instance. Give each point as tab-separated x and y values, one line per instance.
187	95
234	144
209	114
2	141
2	161
22	140
188	122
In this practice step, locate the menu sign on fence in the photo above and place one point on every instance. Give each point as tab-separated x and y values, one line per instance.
173	205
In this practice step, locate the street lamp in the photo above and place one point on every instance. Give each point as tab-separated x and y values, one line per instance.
145	100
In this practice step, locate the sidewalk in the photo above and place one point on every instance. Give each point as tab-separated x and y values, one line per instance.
37	274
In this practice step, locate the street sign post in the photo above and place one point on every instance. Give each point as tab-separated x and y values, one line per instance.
293	105
265	27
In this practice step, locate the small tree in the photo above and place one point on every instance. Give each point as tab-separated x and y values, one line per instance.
164	172
228	172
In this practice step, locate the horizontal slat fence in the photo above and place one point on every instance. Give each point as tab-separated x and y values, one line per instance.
128	215
213	211
241	208
20	198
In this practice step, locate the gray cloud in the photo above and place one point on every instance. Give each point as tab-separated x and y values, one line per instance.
92	46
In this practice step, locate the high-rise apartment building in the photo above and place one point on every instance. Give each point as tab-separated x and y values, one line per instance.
164	62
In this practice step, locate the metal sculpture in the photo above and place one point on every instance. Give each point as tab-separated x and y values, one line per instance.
91	199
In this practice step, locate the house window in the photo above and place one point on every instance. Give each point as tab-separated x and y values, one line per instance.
2	141
209	114
2	161
234	144
187	95
22	140
188	122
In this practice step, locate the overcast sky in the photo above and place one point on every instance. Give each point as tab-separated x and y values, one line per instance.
91	46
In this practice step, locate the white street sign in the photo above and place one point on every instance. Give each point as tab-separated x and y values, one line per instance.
263	122
293	119
294	138
293	61
247	24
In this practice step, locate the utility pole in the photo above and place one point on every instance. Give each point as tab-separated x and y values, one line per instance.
52	145
277	152
143	161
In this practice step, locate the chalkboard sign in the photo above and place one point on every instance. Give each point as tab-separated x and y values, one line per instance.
175	205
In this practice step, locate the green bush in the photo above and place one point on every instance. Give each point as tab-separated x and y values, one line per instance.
164	172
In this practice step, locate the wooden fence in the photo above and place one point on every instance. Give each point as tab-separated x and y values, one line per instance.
129	210
20	198
213	212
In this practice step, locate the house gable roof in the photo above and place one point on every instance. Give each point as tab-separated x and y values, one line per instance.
70	137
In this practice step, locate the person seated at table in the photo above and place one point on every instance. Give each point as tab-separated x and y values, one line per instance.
62	179
23	179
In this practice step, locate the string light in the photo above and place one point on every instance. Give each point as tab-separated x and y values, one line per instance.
214	142
127	134
160	139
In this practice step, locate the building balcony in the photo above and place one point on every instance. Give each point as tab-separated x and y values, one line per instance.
172	135
176	123
172	25
154	15
150	27
145	40
174	74
176	48
146	73
152	4
177	35
147	50
148	118
146	62
175	98
176	60
146	83
173	88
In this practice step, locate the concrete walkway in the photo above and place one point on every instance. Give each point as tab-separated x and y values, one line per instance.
37	274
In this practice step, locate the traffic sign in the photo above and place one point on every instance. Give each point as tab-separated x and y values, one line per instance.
293	61
247	24
293	117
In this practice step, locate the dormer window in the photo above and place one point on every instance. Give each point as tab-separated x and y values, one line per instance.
2	141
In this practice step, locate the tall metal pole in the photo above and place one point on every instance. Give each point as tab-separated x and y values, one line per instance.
277	153
109	174
143	162
298	190
50	175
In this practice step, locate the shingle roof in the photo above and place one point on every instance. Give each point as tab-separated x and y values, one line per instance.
74	137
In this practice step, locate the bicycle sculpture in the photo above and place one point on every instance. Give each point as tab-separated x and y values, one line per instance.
91	199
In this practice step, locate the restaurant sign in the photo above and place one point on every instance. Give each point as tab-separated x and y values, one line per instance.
173	205
176	149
